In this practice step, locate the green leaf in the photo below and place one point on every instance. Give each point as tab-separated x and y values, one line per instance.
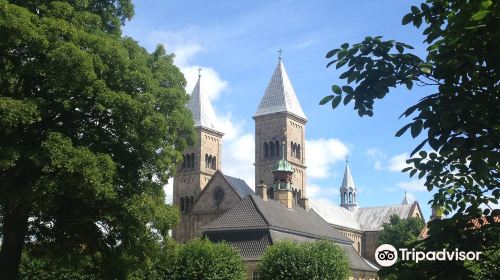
341	63
336	101
348	98
336	89
418	147
344	45
416	128
326	99
415	10
402	130
407	19
480	15
347	89
400	48
332	53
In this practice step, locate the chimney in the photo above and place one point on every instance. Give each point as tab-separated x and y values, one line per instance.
304	203
285	197
261	190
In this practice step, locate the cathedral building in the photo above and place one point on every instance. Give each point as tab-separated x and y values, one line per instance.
224	208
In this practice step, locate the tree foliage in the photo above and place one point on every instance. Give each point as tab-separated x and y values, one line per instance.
91	126
309	261
202	260
460	119
401	232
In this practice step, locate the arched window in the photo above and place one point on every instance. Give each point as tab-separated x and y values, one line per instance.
188	160
188	205
297	153
183	161
350	197
266	150
192	160
271	149
206	160
191	198
277	144
292	148
345	198
182	205
214	163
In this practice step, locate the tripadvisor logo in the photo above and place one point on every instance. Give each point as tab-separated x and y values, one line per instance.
386	255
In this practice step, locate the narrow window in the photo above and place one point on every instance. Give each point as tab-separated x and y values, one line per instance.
271	150
188	161
266	150
191	201
192	160
345	198
182	205
292	149
277	143
187	204
214	163
183	161
297	153
350	197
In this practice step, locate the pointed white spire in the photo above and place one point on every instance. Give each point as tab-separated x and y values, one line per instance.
348	182
280	95
405	200
201	108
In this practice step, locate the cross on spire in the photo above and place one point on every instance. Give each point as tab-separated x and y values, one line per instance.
199	72
279	52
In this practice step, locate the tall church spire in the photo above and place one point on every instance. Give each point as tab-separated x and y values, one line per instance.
348	191
201	108
405	200
280	95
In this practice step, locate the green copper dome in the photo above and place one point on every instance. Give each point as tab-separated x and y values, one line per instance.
282	165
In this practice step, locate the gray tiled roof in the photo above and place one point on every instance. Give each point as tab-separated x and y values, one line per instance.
334	214
355	260
240	186
201	108
243	215
280	95
372	218
251	244
253	212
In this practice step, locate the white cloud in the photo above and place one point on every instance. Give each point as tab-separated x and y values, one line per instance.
381	160
413	185
398	162
319	193
183	46
238	157
211	83
322	154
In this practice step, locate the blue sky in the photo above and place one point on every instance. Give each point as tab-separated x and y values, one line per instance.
236	44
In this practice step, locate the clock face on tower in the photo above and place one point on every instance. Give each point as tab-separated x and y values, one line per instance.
218	196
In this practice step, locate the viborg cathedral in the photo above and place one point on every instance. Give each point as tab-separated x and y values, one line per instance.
221	207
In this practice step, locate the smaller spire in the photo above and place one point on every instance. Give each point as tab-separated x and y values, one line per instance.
405	200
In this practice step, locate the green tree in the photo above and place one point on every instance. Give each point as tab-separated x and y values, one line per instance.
401	232
91	127
460	117
317	260
202	260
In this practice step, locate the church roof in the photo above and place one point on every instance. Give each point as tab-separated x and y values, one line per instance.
253	212
240	186
280	95
334	214
348	182
201	108
372	218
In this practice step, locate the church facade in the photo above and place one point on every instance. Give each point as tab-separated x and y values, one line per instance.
222	207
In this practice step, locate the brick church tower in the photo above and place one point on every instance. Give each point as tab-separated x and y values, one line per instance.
201	161
278	111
